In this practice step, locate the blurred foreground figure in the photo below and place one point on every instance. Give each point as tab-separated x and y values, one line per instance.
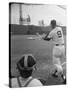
26	65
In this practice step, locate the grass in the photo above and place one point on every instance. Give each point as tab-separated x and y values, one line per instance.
42	50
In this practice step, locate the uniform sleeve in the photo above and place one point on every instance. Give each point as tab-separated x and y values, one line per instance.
35	83
50	34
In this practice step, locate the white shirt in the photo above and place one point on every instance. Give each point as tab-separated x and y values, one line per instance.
34	82
57	36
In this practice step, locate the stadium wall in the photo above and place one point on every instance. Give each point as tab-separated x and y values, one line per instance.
30	29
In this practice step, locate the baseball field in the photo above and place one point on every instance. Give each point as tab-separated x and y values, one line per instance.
42	51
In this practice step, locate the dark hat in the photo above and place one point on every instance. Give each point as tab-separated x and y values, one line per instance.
53	22
27	61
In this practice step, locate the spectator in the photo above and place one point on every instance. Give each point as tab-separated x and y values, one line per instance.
26	65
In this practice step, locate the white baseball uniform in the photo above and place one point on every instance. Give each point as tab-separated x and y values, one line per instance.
59	49
23	82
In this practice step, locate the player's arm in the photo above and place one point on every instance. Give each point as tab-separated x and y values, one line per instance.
47	38
39	36
44	36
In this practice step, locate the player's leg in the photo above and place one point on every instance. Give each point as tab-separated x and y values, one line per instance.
60	73
56	61
57	67
63	60
57	54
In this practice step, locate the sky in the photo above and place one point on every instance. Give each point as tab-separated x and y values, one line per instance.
39	12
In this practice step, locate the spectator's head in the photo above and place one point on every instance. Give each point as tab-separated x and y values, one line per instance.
26	65
53	23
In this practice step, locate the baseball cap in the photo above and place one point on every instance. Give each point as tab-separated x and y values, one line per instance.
26	61
53	22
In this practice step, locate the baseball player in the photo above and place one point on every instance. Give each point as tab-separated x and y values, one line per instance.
26	65
56	35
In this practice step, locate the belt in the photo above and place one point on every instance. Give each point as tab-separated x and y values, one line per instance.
59	44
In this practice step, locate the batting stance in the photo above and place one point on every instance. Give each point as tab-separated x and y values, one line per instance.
56	35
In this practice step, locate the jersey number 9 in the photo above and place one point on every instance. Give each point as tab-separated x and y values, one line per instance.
59	34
